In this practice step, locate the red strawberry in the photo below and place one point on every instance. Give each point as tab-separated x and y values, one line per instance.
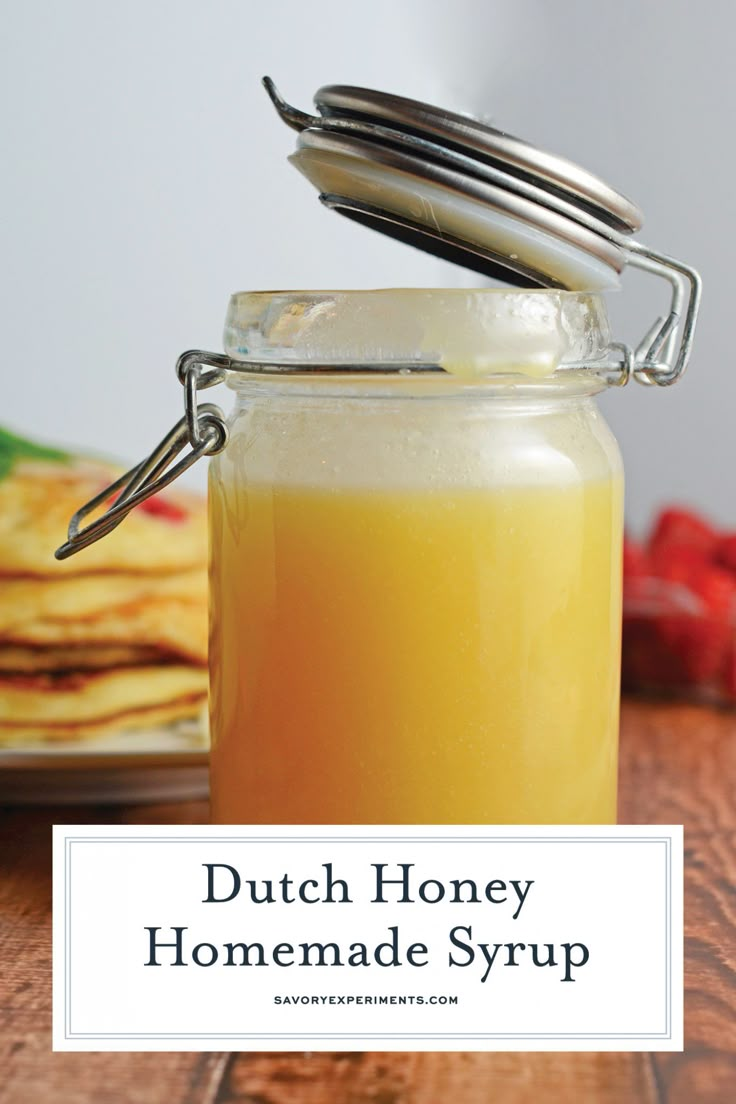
158	506
683	526
635	559
649	596
162	507
729	675
680	622
646	661
725	554
717	588
701	643
678	560
698	647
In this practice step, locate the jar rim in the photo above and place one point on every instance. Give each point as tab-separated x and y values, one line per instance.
469	332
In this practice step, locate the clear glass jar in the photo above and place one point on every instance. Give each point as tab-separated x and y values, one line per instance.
416	575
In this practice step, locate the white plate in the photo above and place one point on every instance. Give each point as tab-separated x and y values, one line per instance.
163	764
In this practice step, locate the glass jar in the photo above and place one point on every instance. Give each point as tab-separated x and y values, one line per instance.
416	510
416	532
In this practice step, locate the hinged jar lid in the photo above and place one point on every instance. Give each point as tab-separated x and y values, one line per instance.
469	193
460	189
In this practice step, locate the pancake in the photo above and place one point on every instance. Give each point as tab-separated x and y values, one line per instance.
173	628
113	640
74	700
22	660
39	496
79	597
142	720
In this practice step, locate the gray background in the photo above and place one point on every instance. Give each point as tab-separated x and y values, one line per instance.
144	180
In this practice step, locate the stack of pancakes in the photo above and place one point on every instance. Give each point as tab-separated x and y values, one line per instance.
112	640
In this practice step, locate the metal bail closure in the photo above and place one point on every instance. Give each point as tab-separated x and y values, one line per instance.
203	428
472	194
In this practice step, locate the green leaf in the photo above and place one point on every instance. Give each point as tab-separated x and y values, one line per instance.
14	448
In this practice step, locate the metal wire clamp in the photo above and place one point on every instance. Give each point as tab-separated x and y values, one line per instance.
203	428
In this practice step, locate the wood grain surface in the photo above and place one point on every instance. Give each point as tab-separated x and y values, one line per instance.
678	765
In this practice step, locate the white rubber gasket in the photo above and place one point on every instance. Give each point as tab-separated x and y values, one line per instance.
442	208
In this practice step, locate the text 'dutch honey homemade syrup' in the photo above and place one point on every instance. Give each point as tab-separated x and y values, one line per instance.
416	508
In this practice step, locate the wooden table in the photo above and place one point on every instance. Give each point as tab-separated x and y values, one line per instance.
678	765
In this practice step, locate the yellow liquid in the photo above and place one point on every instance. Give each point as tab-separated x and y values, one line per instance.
432	655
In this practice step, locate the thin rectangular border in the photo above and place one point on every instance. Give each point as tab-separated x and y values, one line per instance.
396	1036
